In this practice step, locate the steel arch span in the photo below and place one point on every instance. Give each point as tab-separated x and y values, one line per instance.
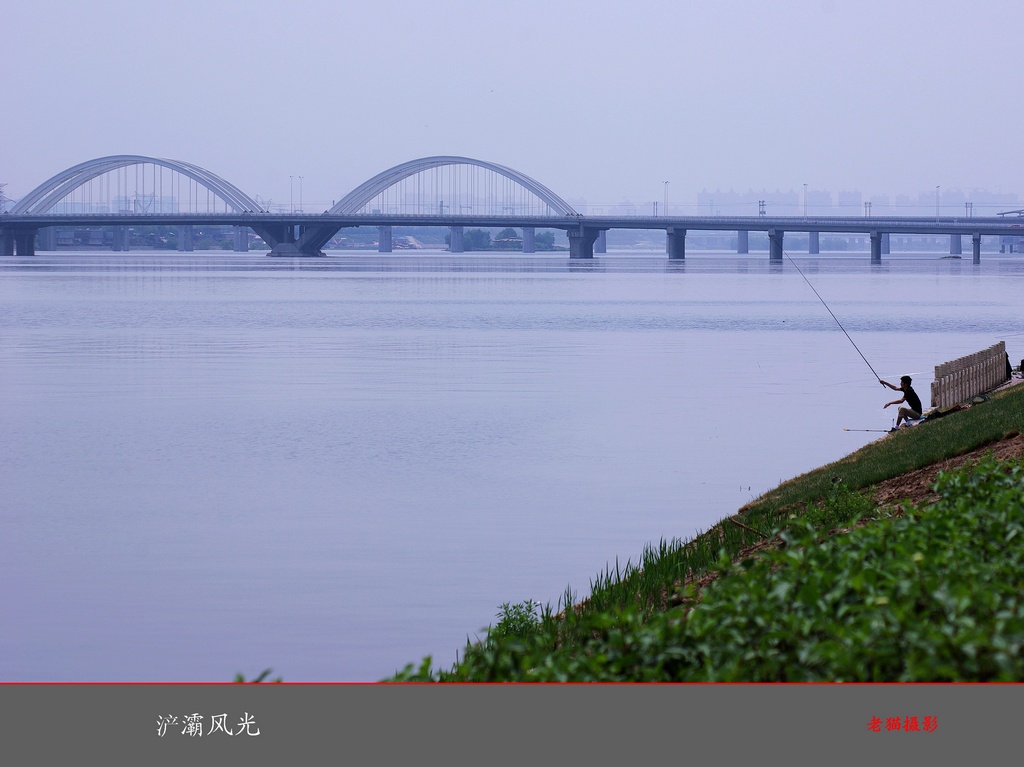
50	192
367	191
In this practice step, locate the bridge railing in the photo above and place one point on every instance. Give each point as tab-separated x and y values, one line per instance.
958	380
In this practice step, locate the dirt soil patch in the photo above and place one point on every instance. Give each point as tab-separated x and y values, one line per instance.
916	486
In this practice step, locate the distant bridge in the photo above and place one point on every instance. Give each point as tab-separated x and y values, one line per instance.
456	192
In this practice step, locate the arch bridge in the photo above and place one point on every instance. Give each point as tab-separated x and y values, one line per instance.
121	191
124	190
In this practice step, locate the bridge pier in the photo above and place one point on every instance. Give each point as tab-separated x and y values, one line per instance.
675	242
25	241
976	247
813	243
384	243
276	238
956	245
456	244
742	241
601	243
47	238
185	238
241	239
280	238
775	250
581	242
876	247
295	240
885	244
124	234
20	241
529	239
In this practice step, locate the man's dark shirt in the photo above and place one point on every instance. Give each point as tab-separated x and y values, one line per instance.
913	401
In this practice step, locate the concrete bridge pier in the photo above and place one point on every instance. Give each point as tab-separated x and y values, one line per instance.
885	244
813	243
976	247
529	239
676	243
956	246
295	240
742	242
22	241
876	247
120	238
601	243
280	238
384	243
185	244
775	250
581	242
456	244
47	238
241	239
25	240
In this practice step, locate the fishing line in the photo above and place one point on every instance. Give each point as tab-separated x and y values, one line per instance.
833	317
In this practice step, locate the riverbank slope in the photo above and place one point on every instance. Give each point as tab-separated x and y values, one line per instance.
802	565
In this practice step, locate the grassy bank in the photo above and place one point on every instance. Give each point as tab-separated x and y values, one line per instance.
782	596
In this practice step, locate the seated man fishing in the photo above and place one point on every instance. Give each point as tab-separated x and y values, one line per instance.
913	409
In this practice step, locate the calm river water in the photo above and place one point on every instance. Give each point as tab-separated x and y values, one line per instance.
218	463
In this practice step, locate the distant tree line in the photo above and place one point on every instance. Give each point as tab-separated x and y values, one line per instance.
506	239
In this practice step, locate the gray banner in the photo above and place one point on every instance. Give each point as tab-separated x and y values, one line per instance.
273	724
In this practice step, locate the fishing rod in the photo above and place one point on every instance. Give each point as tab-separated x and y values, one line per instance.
884	431
834	317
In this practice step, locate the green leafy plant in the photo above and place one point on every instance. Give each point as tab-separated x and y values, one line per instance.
240	678
929	594
516	620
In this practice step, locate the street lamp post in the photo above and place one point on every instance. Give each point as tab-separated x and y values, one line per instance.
291	194
300	194
665	210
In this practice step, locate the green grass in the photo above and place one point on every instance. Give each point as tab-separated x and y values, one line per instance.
932	594
636	622
903	451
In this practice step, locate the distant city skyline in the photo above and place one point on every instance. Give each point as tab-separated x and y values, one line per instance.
789	202
952	202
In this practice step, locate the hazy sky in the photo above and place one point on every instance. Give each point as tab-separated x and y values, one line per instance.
602	100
